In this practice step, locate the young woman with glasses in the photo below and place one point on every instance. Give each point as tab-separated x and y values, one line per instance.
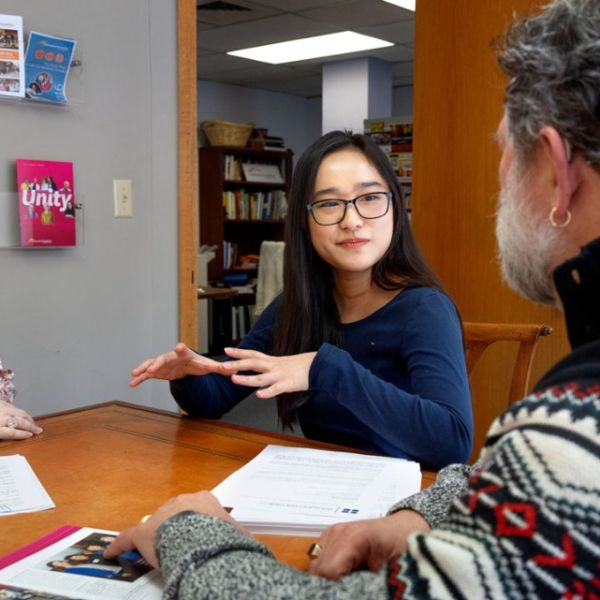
362	347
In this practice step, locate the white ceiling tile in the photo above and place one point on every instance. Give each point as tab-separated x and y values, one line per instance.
203	26
399	32
358	13
217	63
297	5
230	17
261	32
259	72
393	54
293	19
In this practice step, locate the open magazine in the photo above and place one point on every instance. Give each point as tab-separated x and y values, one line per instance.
69	563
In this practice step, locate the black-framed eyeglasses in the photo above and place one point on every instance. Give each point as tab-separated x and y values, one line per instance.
333	210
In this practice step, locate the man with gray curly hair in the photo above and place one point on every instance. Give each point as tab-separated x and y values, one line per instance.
525	521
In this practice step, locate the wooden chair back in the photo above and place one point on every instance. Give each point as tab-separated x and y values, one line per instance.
478	336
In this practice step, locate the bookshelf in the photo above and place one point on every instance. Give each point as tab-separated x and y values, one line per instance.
394	135
239	212
236	215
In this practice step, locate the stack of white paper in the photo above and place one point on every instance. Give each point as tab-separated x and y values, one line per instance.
301	491
20	489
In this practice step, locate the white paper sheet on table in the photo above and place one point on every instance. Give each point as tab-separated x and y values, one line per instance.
20	489
300	491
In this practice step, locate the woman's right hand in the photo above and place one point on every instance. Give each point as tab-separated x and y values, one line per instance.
178	363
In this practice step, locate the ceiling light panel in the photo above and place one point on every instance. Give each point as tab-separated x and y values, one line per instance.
407	4
332	44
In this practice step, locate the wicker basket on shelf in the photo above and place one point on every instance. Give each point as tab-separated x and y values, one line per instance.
226	133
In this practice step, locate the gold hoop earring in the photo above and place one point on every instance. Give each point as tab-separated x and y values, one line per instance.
552	218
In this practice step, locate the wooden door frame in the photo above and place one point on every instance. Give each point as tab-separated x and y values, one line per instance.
187	150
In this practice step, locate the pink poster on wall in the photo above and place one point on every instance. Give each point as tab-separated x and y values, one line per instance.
46	203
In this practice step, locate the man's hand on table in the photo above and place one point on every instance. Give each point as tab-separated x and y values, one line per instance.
346	547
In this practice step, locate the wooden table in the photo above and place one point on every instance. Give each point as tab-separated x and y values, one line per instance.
106	466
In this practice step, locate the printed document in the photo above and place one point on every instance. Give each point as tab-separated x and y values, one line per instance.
20	489
300	491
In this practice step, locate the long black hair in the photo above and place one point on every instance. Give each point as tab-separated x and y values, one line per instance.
308	315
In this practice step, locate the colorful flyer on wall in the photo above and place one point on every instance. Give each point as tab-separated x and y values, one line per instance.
46	203
12	77
47	64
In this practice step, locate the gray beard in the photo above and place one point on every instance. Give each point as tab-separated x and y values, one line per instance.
526	243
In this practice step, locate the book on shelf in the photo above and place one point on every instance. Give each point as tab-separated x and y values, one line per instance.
255	205
273	142
232	168
262	172
301	491
392	134
46	203
234	278
68	563
229	254
240	321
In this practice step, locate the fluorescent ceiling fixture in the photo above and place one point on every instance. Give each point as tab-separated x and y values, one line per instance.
407	4
312	47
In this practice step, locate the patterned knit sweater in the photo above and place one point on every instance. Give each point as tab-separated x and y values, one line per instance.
522	523
528	525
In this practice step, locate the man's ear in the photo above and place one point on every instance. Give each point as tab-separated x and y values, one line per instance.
556	150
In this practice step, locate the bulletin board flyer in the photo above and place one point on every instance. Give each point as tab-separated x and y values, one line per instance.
12	78
47	65
46	203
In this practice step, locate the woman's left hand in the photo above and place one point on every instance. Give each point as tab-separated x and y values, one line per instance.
142	536
276	374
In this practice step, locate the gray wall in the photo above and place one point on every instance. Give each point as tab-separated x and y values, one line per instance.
402	101
283	115
73	322
298	120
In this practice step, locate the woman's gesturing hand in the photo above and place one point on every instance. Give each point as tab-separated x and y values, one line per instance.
275	374
178	363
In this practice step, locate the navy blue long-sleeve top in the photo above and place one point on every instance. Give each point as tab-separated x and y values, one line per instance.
397	384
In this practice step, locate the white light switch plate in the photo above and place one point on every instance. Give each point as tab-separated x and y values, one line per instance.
123	197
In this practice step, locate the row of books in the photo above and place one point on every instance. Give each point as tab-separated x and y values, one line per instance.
245	204
394	134
240	321
273	142
229	254
257	171
232	168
